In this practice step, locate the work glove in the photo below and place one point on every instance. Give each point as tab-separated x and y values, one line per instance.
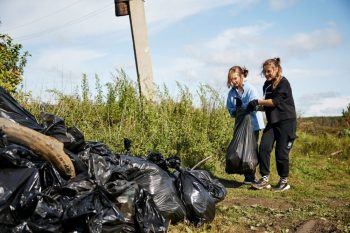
238	102
252	105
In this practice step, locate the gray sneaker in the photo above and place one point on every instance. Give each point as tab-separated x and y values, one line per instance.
263	183
281	186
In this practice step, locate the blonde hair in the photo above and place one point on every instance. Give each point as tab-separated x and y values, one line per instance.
242	71
276	62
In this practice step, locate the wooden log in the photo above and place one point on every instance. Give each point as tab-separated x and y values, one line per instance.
47	147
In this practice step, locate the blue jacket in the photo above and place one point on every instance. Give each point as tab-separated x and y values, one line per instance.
249	93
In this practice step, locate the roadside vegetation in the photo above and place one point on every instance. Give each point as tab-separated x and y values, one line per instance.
319	199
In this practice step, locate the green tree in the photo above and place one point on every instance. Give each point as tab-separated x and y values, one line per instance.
346	115
12	63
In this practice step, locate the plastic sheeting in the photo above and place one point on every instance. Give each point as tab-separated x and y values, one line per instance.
241	157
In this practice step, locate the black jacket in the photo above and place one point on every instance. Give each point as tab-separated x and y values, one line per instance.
282	99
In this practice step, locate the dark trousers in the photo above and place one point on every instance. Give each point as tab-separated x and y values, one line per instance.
251	176
283	134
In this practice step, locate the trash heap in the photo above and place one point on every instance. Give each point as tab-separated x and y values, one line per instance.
110	192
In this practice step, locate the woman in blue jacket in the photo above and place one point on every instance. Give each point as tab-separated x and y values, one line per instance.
240	94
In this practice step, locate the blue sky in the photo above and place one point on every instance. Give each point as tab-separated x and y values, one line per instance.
191	42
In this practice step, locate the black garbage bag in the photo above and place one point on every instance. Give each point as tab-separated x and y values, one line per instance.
241	156
20	228
101	202
124	193
93	211
148	216
157	158
200	206
24	177
137	206
173	162
12	110
47	214
91	199
54	126
99	148
156	182
216	190
213	186
16	156
16	187
77	140
90	148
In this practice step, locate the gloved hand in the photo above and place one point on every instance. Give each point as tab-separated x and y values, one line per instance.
238	102
252	105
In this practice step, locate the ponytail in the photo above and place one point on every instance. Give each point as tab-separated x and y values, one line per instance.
245	72
277	61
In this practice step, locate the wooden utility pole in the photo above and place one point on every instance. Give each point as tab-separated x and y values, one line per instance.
136	11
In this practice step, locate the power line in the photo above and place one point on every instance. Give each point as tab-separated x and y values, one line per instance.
41	18
69	23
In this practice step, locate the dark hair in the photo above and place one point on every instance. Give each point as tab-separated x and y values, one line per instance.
240	70
273	61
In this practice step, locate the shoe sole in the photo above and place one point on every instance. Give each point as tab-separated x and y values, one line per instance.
281	190
248	182
260	188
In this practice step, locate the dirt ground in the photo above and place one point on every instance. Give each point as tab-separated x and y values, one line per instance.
317	225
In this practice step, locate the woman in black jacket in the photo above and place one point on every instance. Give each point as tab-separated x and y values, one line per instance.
279	108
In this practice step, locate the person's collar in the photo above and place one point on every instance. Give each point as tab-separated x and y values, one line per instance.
244	81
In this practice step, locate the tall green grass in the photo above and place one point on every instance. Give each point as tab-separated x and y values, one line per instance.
169	125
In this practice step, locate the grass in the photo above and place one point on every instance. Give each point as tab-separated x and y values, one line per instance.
319	161
320	190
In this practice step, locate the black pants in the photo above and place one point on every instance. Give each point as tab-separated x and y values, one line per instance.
283	133
251	176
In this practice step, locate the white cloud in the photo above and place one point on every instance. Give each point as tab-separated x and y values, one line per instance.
67	19
208	62
322	104
58	18
302	44
161	14
281	4
242	45
250	46
60	69
232	36
72	58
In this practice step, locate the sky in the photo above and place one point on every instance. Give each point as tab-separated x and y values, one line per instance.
192	42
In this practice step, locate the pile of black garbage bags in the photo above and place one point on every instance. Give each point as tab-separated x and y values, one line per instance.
110	193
